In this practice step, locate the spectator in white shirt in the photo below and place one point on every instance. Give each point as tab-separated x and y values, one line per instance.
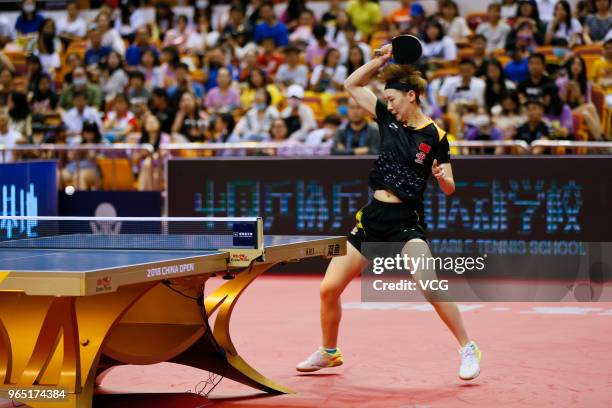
462	91
298	116
130	19
508	9
292	71
330	75
255	124
350	33
325	135
437	46
78	115
115	79
46	46
303	32
72	27
7	31
8	137
454	25
203	37
179	35
110	36
494	30
564	25
546	8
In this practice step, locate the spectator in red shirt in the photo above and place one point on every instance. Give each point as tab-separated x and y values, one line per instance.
120	121
269	59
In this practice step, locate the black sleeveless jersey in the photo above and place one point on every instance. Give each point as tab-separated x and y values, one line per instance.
406	156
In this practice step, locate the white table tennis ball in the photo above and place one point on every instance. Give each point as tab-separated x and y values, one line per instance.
69	190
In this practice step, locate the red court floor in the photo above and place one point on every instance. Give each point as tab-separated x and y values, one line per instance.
396	355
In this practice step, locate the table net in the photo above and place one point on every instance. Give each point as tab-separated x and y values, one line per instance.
146	233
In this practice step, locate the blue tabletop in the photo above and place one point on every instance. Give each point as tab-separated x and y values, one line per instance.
43	260
71	253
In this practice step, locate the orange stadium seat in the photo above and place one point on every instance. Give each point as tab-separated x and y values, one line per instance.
378	39
503	60
315	101
465	53
77	47
605	113
443	72
589	60
596	49
599	99
498	52
547	50
116	173
331	104
581	132
18	59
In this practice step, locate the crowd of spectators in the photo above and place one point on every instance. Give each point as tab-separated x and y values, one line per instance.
517	70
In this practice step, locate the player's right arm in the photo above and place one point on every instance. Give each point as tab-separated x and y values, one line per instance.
356	83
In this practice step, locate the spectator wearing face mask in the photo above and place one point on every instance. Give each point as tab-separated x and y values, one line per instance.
254	125
298	116
29	20
92	92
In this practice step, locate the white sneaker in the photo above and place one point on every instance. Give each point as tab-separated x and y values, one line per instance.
470	361
320	359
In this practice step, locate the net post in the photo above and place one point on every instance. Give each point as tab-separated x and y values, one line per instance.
259	231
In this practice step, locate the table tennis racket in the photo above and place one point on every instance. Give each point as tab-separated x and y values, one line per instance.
406	48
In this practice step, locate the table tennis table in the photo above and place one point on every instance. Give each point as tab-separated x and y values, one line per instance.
75	303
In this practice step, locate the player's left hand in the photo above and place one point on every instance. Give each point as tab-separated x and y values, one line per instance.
437	170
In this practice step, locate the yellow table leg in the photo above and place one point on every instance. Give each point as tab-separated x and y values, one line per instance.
55	342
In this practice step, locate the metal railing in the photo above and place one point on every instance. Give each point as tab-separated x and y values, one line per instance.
152	174
250	148
594	147
485	146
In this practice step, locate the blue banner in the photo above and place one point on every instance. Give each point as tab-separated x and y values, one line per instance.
26	189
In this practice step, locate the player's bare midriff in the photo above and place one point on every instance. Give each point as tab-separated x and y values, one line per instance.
386	196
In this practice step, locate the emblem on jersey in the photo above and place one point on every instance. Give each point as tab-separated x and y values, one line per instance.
393	126
422	155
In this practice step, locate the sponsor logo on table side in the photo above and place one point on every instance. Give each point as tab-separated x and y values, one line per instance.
104	284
